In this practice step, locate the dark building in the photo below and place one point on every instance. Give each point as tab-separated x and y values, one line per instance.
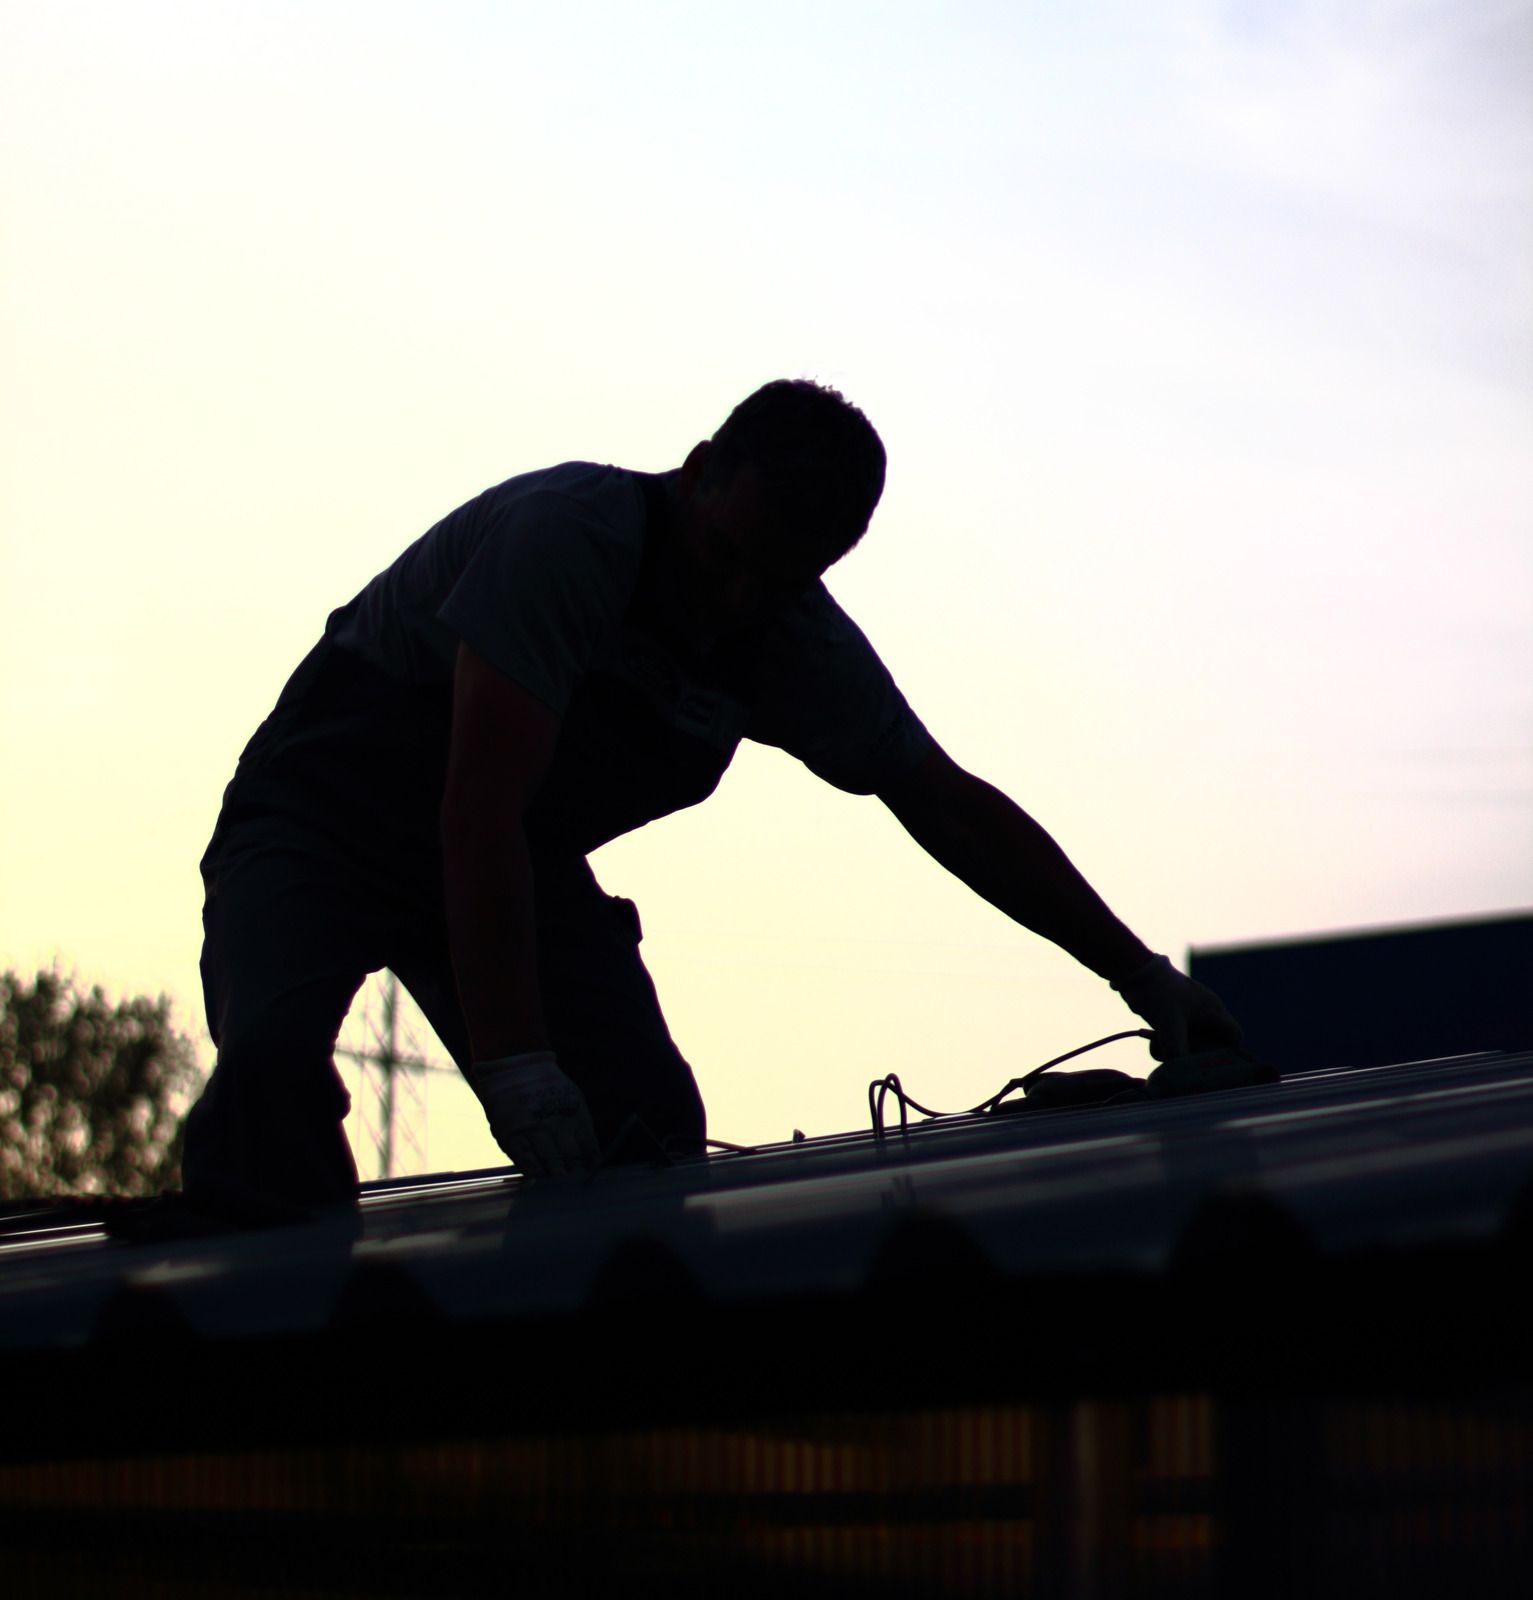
1378	995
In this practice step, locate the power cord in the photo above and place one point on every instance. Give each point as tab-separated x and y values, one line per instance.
635	1128
881	1088
878	1092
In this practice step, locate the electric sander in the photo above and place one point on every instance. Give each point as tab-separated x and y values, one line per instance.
1198	1072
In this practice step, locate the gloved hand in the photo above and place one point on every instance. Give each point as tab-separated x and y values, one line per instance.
538	1116
1184	1015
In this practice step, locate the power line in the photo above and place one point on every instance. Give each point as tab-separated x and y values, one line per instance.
389	1055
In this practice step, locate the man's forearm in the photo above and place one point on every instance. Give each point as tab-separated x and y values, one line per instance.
990	843
492	934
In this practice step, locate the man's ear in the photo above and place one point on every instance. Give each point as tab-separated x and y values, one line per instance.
692	467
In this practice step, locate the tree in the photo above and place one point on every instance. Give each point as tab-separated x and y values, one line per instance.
92	1095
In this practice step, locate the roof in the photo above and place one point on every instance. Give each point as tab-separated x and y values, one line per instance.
1100	1234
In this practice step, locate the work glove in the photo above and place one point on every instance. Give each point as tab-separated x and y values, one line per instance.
1183	1015
538	1116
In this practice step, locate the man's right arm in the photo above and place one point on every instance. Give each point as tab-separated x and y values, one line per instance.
502	743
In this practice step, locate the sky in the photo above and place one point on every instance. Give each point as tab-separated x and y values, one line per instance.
1200	336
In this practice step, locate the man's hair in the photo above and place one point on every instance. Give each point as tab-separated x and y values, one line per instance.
820	462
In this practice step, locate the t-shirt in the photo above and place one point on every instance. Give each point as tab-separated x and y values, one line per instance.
541	575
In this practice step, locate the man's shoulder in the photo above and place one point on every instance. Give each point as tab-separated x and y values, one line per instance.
588	489
578	515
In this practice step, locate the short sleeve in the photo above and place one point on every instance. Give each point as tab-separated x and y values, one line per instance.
546	588
826	698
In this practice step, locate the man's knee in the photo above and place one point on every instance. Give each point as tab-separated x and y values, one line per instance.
282	1047
268	1126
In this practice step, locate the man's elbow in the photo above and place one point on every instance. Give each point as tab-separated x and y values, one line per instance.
928	791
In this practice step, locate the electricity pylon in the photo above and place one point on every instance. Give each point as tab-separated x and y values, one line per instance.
384	1029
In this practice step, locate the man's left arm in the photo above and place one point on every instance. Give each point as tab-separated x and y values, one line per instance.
1003	855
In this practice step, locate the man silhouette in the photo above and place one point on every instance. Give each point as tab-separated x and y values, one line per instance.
569	655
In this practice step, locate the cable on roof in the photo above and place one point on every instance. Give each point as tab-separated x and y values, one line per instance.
878	1092
635	1128
881	1088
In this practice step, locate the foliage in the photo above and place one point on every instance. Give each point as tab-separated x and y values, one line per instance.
92	1095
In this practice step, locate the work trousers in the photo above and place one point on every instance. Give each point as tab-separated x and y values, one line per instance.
289	940
304	900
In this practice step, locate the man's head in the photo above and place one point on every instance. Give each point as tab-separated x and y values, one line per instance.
819	461
782	491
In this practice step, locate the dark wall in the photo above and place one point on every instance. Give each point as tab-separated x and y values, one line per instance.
1371	998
